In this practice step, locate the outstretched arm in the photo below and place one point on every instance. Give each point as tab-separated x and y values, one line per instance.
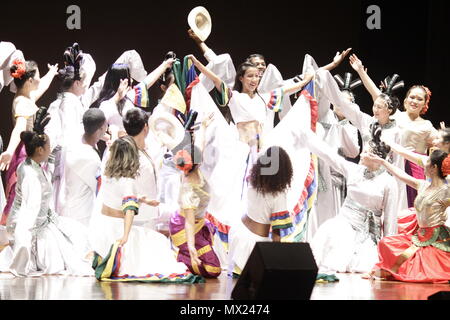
293	88
397	172
45	82
407	154
207	52
208	73
153	76
338	58
367	81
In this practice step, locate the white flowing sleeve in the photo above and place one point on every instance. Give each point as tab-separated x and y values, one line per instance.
326	153
390	205
25	220
221	65
329	88
349	140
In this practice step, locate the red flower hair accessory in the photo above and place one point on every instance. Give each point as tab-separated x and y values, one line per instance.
445	168
20	70
183	161
427	101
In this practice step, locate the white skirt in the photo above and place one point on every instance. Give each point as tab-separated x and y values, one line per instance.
336	248
241	244
59	249
145	252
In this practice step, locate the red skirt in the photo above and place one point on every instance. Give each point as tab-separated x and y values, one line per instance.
422	257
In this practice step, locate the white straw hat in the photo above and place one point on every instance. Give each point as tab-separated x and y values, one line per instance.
200	22
167	129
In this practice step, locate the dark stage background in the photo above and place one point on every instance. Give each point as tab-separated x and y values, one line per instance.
412	41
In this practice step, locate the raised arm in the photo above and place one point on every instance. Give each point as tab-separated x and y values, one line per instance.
153	76
45	82
208	73
367	81
207	52
405	153
338	58
294	87
397	172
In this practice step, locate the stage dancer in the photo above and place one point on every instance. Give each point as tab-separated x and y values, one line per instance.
383	109
125	251
342	136
30	87
267	207
41	242
190	232
425	255
417	133
347	243
136	125
252	112
118	95
82	169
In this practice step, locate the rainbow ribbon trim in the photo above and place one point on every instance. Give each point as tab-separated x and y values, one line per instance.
141	95
107	269
221	229
130	203
281	220
276	97
309	193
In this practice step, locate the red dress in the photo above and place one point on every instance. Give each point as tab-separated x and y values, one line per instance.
422	255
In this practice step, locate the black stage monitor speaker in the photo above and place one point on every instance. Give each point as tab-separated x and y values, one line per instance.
441	295
277	271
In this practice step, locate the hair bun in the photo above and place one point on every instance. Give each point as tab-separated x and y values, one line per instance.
27	136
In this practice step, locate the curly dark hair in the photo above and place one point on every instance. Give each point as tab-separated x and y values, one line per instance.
378	147
278	176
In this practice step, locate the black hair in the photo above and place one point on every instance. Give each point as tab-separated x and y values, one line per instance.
32	140
437	157
30	71
134	121
393	103
272	183
378	147
243	67
117	72
255	55
93	119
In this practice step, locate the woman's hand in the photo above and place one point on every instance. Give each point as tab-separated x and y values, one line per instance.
5	160
193	59
52	69
147	201
356	63
194	37
123	240
122	90
194	256
340	56
169	62
374	158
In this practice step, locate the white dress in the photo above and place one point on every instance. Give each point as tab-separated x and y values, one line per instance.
146	251
262	209
348	242
363	122
42	242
